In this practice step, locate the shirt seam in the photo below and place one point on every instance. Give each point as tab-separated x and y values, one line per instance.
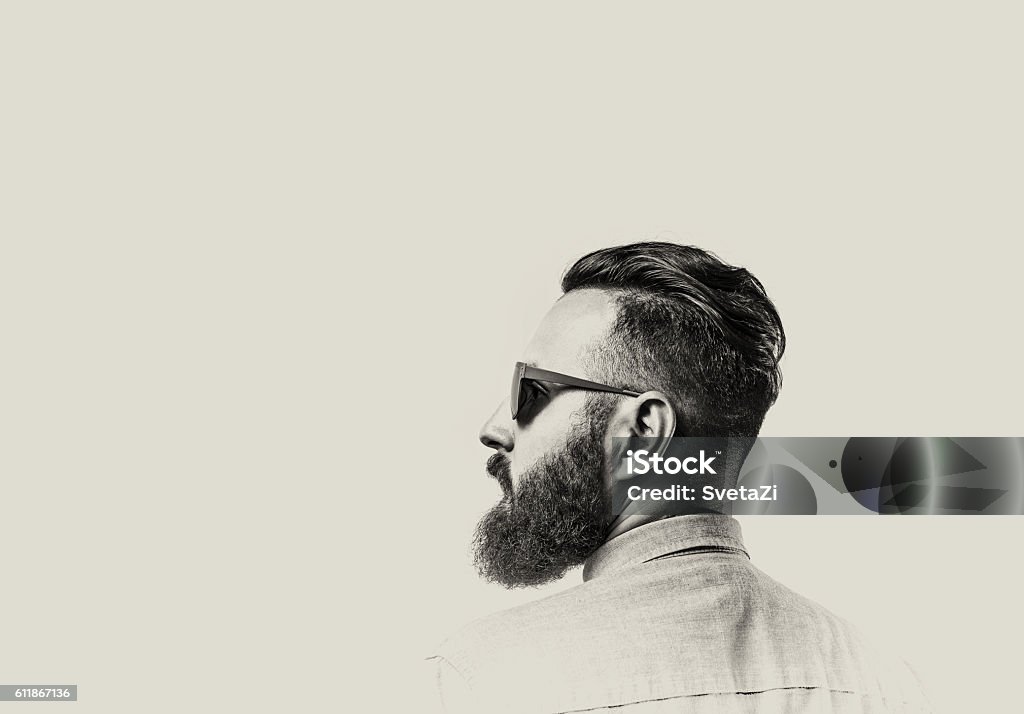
442	658
443	692
699	550
830	690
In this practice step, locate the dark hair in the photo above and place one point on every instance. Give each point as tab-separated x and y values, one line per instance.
700	330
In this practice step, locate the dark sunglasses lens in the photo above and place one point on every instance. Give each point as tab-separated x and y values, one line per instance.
528	393
516	391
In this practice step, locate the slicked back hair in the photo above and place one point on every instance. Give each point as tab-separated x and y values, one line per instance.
692	326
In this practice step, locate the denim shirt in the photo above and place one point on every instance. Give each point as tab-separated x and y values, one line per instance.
671	617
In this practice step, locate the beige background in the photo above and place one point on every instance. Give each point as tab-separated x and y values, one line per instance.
265	266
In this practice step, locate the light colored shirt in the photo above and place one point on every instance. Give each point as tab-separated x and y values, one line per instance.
671	617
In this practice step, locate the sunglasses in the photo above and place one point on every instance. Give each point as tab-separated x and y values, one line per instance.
525	389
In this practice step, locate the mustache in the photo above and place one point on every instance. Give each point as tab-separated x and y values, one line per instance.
500	468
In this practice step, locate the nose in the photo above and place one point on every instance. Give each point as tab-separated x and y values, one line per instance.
496	433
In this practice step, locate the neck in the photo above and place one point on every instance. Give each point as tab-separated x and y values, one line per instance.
628	521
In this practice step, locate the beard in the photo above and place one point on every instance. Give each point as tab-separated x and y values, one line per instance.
557	516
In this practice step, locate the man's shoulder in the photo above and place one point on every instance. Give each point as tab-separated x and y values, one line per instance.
521	629
554	649
641	611
603	629
674	628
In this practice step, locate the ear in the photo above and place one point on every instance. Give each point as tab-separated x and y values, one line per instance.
649	416
647	422
644	422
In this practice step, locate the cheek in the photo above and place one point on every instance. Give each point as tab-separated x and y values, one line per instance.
546	434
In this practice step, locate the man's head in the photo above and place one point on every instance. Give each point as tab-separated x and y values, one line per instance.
700	342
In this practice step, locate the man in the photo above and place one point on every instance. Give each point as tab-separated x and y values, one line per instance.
651	341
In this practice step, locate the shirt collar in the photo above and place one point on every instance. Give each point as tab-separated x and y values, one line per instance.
661	538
